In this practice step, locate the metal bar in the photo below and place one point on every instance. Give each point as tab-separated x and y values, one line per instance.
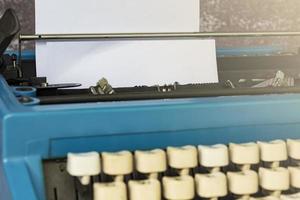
20	57
63	99
117	36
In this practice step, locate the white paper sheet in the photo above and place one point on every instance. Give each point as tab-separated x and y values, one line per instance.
129	63
123	63
111	16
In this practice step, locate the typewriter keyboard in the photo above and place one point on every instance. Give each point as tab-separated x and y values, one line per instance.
258	170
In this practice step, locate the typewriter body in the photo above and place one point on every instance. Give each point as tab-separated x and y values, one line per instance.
53	139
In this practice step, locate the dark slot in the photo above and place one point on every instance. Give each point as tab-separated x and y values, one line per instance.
58	180
76	193
55	194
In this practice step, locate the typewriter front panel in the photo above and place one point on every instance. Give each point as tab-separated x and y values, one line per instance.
39	138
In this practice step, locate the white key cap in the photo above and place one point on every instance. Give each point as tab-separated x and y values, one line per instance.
213	156
266	198
182	157
84	165
274	179
273	151
290	197
110	191
145	190
119	163
179	188
243	183
243	154
295	177
271	198
294	149
151	161
211	185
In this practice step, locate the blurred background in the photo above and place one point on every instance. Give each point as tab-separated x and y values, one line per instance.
216	16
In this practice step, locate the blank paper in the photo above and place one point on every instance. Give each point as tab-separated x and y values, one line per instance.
129	63
123	63
111	16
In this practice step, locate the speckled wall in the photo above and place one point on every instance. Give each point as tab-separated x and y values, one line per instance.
252	15
218	15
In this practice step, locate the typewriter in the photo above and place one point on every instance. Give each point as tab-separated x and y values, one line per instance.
238	139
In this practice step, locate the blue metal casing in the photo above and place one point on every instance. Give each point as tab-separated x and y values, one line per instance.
30	134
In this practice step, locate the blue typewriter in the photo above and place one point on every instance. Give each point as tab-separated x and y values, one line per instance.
238	139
